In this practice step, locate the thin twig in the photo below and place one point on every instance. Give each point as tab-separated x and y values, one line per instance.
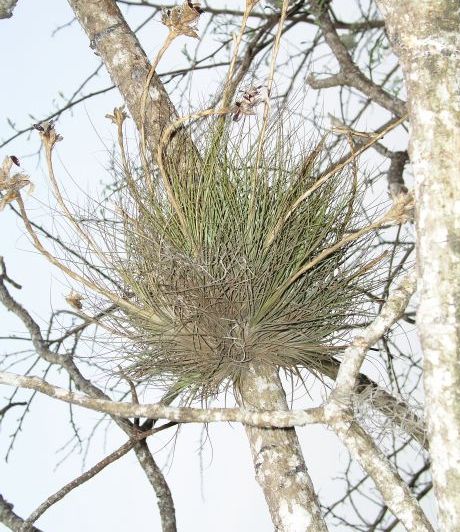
92	472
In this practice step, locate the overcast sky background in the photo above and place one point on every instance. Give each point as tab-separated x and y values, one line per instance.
214	489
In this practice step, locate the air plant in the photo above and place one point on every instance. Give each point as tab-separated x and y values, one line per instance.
244	251
226	269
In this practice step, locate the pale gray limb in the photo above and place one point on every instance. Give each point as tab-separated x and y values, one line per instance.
282	476
338	412
279	418
426	39
395	492
354	354
11	519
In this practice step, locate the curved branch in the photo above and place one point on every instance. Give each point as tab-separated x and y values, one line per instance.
349	73
88	475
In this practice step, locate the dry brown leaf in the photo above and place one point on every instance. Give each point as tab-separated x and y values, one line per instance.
6	168
7	198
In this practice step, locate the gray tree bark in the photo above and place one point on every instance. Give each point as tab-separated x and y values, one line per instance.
425	35
10	519
7	7
278	461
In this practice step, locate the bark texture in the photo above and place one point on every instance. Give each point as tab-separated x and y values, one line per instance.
278	461
425	35
338	412
159	485
95	399
10	519
7	7
395	492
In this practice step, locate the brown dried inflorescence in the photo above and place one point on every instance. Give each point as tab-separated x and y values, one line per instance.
182	20
10	185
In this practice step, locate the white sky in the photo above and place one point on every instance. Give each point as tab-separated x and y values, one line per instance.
35	68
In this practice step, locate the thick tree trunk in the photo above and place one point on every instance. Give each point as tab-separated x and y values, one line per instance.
426	36
277	455
278	461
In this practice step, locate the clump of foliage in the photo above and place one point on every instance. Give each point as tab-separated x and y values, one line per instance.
229	258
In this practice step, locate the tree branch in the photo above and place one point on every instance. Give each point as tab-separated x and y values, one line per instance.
87	475
338	412
353	356
10	519
268	419
129	68
284	477
394	490
426	39
154	474
349	74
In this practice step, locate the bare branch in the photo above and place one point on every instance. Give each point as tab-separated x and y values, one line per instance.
146	460
158	482
394	490
269	419
128	66
10	519
349	73
4	276
87	475
395	178
5	409
355	26
354	355
337	411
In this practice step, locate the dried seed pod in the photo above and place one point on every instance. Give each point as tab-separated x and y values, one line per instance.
249	100
182	20
11	185
74	299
